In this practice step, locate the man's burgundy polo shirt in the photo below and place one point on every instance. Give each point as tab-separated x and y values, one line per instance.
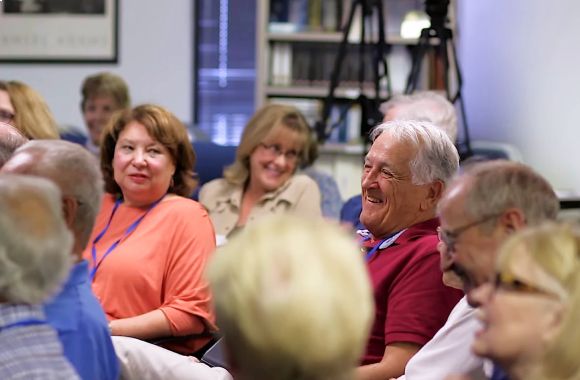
411	301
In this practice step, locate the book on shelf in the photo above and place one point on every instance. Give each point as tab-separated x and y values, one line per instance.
319	16
281	64
307	64
298	13
331	15
315	15
279	10
288	16
345	120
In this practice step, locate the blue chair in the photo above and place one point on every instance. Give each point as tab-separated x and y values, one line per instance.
350	212
330	199
211	160
74	136
492	150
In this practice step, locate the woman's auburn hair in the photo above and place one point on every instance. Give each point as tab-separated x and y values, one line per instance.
162	126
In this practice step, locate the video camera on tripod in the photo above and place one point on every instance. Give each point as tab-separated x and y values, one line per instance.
370	114
437	10
445	52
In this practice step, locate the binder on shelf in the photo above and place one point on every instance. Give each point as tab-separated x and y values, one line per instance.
279	10
288	16
315	15
346	121
281	64
298	13
353	124
274	65
300	66
331	15
286	65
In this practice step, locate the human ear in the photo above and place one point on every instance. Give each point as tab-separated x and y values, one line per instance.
434	192
512	219
553	323
69	210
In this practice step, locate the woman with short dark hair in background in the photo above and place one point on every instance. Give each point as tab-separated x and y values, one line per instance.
102	95
24	108
262	180
150	243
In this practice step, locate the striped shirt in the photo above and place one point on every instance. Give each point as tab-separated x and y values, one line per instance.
30	348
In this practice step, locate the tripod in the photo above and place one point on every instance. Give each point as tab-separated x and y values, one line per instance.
444	51
369	107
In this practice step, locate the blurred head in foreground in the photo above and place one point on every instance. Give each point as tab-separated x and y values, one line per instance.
293	300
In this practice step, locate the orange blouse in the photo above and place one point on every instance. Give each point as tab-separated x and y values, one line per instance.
159	265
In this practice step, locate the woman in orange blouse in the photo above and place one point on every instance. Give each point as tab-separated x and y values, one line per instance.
150	244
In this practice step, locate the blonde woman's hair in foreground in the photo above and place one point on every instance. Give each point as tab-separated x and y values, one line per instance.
293	300
555	250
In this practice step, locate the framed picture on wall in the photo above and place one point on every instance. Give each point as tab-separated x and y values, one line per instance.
59	31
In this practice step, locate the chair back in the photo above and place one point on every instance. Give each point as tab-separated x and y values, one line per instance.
211	160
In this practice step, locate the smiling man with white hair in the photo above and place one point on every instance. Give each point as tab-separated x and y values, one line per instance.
404	176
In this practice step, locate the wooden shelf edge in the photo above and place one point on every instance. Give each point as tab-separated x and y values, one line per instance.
318	92
331	37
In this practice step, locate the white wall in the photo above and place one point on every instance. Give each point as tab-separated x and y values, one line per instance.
155	58
520	61
521	66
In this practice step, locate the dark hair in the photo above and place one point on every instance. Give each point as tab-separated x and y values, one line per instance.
164	127
106	84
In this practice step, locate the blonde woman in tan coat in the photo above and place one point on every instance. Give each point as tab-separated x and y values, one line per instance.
262	180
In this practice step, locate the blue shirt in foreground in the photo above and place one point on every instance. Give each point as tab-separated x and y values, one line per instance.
498	374
82	327
350	212
30	350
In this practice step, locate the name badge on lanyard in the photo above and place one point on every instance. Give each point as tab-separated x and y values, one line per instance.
22	323
383	244
132	227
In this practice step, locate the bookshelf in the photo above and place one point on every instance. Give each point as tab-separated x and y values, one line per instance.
297	45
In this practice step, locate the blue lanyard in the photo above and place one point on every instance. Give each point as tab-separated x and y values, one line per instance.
383	244
25	322
131	228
